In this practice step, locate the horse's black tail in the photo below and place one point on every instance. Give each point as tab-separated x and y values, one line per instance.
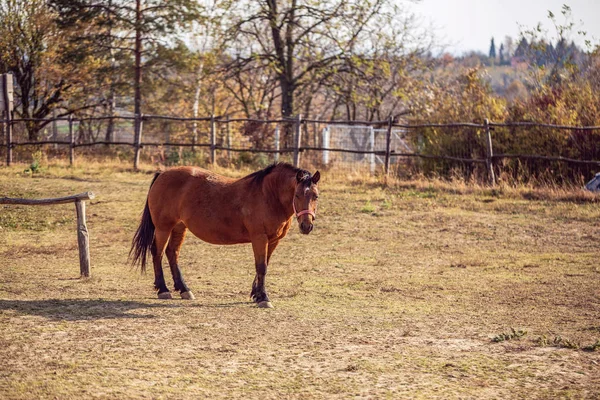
144	236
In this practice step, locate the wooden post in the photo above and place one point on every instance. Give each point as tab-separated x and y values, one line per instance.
213	140
82	231
83	239
490	153
228	133
6	101
388	144
8	130
277	138
297	141
139	118
325	143
71	142
194	135
372	148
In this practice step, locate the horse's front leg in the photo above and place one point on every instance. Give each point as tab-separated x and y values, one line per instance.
260	245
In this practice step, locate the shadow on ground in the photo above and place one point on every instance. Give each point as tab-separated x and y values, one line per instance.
85	309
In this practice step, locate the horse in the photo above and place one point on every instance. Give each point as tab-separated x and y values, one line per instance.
256	209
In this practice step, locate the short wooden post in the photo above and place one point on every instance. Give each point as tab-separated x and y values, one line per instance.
6	101
83	239
277	138
71	142
8	131
325	142
228	133
194	135
388	145
139	118
297	141
213	140
372	148
490	152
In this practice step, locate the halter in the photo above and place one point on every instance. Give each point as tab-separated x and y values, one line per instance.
301	213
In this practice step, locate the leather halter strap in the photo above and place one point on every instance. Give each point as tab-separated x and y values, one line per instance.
301	213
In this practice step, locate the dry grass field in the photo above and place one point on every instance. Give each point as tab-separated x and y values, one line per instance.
411	290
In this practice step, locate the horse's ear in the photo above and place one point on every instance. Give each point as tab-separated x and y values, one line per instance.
316	177
300	176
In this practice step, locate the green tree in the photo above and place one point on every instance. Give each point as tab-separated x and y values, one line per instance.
138	28
300	41
492	53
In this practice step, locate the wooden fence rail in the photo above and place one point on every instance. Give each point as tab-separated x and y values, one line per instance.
83	239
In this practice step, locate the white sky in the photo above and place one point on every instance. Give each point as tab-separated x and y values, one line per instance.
466	25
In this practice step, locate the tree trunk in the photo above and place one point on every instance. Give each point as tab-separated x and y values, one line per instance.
110	128
138	61
196	105
31	126
287	98
33	130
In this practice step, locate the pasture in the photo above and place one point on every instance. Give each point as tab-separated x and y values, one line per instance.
420	290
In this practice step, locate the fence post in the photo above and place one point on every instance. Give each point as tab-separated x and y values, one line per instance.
194	135
372	146
388	145
83	239
71	142
8	127
6	99
490	152
277	138
228	133
213	140
297	141
139	118
325	140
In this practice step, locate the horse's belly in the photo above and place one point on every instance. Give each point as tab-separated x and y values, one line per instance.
220	235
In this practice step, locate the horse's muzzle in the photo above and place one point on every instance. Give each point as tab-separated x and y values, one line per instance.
306	227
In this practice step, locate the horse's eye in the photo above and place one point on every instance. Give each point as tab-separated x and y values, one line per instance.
297	196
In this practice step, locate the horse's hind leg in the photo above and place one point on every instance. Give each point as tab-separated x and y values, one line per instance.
177	237
158	248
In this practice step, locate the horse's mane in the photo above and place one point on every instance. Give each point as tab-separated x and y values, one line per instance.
258	176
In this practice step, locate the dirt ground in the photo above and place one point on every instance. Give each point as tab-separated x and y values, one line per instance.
399	292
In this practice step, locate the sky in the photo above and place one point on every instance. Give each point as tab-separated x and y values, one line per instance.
466	25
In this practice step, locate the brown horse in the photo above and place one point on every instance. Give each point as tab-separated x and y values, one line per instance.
256	209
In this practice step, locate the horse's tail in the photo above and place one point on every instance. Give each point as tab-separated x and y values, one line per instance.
144	236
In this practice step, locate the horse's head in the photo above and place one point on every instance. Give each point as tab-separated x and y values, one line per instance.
305	200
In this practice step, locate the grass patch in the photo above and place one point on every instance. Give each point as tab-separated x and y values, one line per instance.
512	335
564	343
367	208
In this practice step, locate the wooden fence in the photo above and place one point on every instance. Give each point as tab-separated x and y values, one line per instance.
297	148
82	231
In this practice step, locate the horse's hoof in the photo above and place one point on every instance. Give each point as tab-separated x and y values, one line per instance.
188	295
165	296
264	304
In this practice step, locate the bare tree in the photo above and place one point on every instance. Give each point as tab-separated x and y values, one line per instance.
300	41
